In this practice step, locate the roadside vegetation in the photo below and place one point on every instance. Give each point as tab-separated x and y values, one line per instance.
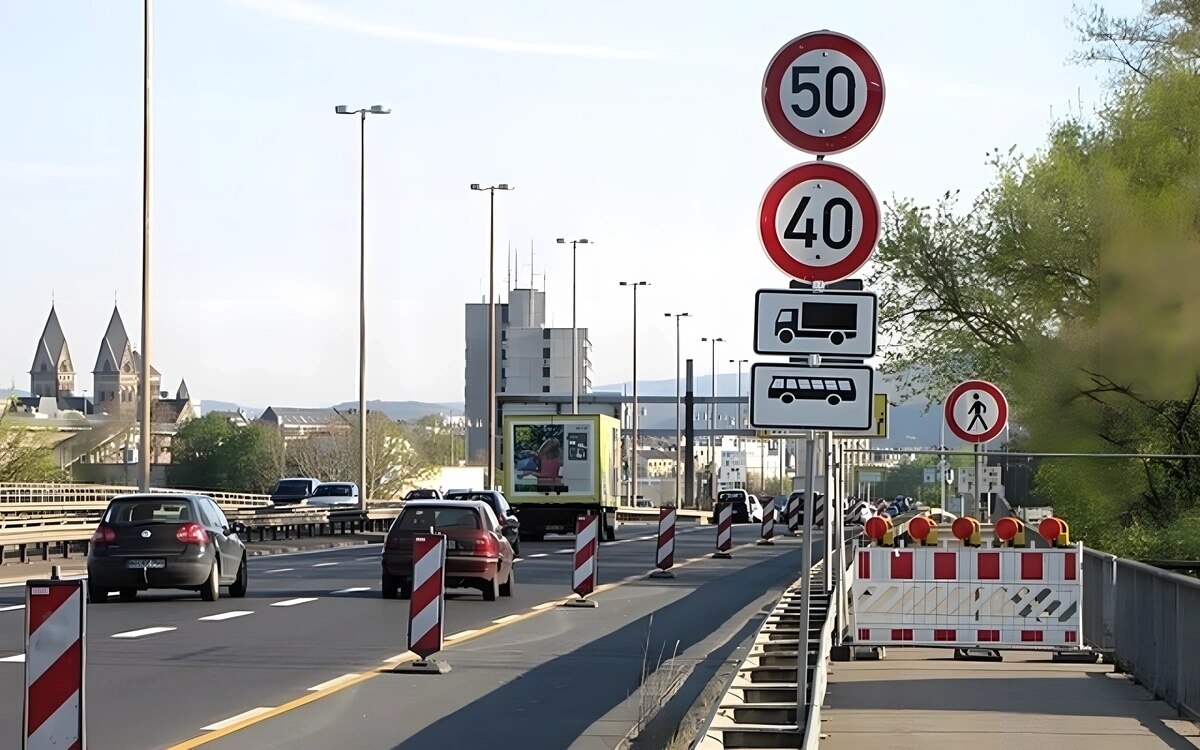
1073	281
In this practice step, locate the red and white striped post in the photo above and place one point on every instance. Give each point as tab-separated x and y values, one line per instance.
768	525
583	577
427	609
724	530
665	555
794	504
55	649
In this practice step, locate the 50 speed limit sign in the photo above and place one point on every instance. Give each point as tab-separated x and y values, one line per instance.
819	222
823	92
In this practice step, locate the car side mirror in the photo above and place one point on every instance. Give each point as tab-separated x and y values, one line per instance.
511	522
237	527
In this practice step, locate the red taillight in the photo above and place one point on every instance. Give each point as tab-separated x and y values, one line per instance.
485	544
393	542
191	533
103	536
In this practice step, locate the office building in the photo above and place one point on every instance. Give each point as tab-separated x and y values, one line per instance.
531	359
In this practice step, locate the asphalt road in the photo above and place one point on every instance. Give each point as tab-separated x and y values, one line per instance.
169	667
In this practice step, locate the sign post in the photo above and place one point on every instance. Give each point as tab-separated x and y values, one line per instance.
976	412
822	93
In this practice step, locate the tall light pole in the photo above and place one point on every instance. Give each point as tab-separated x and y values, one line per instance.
574	329
144	458
678	414
363	491
712	414
633	474
739	363
489	473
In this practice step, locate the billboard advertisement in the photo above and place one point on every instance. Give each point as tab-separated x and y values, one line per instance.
552	457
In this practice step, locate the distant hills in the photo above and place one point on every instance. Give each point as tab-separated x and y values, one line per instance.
911	425
400	410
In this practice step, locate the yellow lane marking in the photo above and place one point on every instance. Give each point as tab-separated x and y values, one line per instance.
408	656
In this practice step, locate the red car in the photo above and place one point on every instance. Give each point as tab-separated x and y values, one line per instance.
477	554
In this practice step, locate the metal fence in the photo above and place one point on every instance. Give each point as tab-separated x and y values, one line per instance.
1148	621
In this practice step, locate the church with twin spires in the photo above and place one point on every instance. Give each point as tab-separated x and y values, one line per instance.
116	375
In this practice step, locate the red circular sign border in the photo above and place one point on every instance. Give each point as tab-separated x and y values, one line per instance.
819	170
976	385
773	78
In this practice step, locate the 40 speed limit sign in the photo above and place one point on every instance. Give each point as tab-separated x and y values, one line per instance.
823	92
819	222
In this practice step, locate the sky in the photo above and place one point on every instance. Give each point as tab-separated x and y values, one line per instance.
636	125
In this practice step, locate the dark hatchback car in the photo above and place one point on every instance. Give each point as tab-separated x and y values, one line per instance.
477	554
509	525
176	541
422	494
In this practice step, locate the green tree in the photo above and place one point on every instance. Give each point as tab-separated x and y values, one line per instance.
211	453
394	462
1070	281
25	455
437	440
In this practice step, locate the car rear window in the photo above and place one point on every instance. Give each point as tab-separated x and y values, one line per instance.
149	510
333	490
438	518
292	487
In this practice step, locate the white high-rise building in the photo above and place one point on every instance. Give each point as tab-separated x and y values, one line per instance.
531	359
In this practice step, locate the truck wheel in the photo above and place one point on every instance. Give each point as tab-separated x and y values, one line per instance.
786	336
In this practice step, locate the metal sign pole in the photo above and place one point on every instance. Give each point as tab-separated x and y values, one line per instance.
810	466
979	509
830	517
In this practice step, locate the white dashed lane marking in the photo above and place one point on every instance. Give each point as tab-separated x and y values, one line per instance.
294	602
225	615
14	659
280	570
324	565
12	608
353	590
142	633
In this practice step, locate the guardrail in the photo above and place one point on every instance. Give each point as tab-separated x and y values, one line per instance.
1145	620
98	495
44	534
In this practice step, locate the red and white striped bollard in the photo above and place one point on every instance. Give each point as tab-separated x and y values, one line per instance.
55	655
583	577
794	504
665	549
768	525
427	609
724	530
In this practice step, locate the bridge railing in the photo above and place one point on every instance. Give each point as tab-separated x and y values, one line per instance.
1146	620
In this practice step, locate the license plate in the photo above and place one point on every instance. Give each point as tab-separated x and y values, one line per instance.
144	564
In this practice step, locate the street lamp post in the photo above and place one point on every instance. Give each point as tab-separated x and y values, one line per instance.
341	109
489	472
574	329
678	412
712	414
740	424
633	474
145	460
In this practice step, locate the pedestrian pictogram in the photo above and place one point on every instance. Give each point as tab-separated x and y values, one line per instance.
976	411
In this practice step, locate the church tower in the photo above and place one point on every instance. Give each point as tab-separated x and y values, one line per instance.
115	374
52	374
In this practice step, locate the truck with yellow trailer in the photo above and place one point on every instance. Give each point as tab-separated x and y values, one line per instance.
555	467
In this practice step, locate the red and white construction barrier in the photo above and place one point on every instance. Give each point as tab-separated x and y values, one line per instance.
968	597
794	505
583	578
55	625
665	556
724	530
768	524
426	612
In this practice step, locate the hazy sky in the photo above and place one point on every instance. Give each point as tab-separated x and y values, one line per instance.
635	124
